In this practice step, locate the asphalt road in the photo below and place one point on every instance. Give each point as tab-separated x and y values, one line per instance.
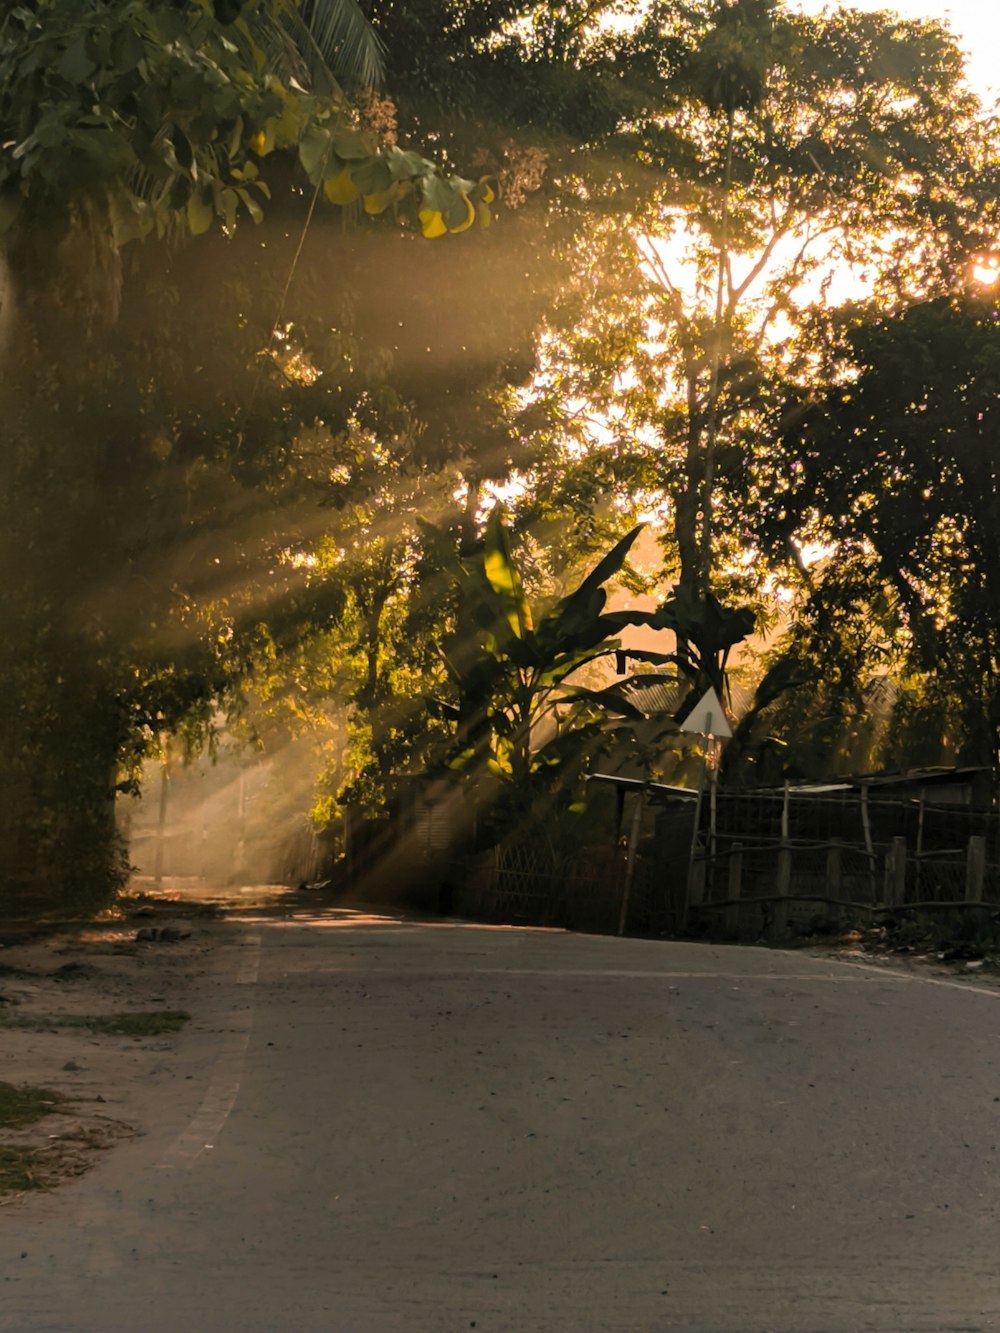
390	1126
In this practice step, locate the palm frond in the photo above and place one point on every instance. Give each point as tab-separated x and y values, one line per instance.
340	34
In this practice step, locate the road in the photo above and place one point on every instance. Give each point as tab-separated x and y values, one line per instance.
387	1125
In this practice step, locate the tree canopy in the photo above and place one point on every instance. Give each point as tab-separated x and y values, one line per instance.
701	265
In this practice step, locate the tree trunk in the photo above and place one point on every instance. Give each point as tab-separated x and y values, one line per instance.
62	722
60	735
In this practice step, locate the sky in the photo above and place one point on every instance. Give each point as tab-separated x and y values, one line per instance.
976	24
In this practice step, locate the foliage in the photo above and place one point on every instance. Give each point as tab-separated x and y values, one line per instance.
142	118
215	492
851	150
153	473
523	715
22	1169
900	455
23	1105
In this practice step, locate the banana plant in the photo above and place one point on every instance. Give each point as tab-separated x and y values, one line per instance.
518	714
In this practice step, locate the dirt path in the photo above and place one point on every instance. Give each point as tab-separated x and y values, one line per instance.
62	1001
373	1125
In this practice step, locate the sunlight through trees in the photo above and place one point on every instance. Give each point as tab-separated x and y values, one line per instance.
291	292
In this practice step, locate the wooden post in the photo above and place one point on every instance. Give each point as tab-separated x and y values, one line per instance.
735	888
975	869
694	890
866	824
784	872
834	870
633	847
895	874
918	873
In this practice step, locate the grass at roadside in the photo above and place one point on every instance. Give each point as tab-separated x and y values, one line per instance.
151	1024
22	1168
22	1106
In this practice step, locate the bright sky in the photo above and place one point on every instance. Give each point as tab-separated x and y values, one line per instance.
976	24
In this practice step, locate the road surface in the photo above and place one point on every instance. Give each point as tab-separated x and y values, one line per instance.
387	1126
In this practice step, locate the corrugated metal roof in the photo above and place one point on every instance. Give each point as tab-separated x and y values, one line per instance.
656	694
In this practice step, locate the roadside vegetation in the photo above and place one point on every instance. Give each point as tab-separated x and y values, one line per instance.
369	374
23	1167
153	1024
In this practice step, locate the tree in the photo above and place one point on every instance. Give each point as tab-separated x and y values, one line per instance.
899	455
784	151
191	475
131	478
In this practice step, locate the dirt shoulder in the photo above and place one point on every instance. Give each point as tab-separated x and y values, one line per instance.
91	1017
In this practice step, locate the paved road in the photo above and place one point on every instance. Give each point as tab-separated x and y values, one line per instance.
398	1126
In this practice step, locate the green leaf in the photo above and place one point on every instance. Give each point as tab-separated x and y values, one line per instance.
251	205
371	176
503	576
605	568
610	700
383	199
200	215
314	150
462	761
76	65
353	145
131	219
405	165
439	194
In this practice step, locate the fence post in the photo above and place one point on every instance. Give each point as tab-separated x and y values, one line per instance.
696	883
694	888
918	873
732	913
784	872
895	874
975	869
866	824
633	848
834	870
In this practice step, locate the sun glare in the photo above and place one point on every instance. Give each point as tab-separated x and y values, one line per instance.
986	269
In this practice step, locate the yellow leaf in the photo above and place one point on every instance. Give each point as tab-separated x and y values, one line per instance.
488	195
259	144
470	216
432	223
485	216
340	189
380	200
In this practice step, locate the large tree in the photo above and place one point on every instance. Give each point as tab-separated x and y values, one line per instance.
170	477
152	407
786	160
900	457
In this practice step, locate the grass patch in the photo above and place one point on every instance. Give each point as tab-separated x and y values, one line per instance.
138	1024
153	1024
9	970
22	1106
73	972
21	1169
